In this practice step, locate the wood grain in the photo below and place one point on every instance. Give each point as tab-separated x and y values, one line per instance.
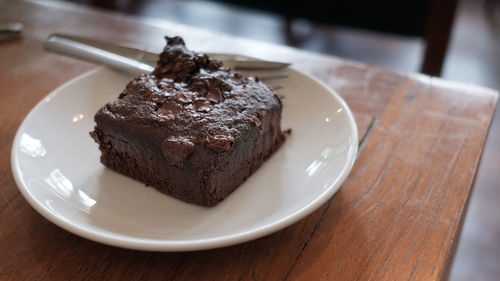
395	217
406	207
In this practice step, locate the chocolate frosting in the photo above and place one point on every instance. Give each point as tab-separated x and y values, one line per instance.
192	100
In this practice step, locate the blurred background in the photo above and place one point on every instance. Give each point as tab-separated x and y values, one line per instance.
457	39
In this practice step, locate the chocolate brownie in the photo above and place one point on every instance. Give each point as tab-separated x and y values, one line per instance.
192	129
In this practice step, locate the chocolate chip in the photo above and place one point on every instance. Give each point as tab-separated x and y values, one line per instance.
183	66
170	109
199	86
184	97
213	65
166	68
176	40
166	83
202	105
201	59
177	150
153	94
219	142
214	95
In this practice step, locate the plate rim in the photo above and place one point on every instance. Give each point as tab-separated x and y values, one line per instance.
166	245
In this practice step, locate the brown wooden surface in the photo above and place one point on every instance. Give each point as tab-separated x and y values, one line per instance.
395	218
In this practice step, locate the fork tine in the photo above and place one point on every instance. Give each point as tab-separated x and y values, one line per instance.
276	87
240	64
266	74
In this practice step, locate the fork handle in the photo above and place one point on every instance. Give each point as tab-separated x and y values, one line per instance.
79	50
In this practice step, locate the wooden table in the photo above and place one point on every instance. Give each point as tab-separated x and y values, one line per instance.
397	217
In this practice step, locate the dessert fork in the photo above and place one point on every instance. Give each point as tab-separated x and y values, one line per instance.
137	61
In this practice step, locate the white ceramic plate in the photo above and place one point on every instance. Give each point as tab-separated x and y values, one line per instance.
56	166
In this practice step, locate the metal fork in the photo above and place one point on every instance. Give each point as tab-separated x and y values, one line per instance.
137	61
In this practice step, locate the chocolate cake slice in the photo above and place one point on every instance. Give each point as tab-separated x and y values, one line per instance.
192	129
